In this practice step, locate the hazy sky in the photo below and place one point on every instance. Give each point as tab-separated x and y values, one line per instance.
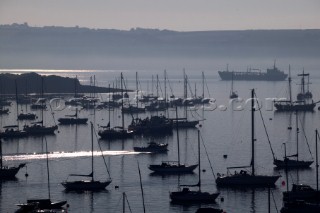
182	15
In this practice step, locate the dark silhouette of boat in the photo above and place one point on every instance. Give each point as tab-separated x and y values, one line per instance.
173	167
302	197
38	128
152	147
7	172
116	132
27	116
272	74
289	163
194	196
289	105
209	210
152	125
42	204
73	119
4	111
87	185
245	178
13	131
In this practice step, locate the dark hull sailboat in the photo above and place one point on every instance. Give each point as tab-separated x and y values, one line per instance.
186	124
294	106
190	196
244	178
37	129
67	121
40	205
152	147
172	167
13	132
115	133
72	119
26	116
152	125
9	172
289	163
86	185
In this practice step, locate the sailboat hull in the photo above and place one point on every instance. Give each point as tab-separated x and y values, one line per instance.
168	168
85	185
40	130
290	164
67	121
246	180
186	196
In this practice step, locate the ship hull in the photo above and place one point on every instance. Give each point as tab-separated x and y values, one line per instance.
251	76
246	180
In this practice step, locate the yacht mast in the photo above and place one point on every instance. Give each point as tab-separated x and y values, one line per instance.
252	131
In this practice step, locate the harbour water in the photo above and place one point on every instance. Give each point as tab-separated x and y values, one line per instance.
225	129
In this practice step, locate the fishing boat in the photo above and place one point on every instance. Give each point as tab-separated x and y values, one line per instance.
87	185
194	196
152	147
73	119
42	204
7	172
169	167
244	178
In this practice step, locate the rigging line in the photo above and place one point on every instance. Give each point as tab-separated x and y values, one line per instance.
128	203
207	87
104	160
205	148
305	136
274	201
265	128
169	85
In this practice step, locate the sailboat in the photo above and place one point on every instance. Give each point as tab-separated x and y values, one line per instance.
42	204
302	197
7	172
292	163
87	185
289	105
186	195
304	94
244	178
173	166
25	115
38	128
73	119
116	132
233	94
13	131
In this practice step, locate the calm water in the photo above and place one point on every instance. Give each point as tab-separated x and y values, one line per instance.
224	131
